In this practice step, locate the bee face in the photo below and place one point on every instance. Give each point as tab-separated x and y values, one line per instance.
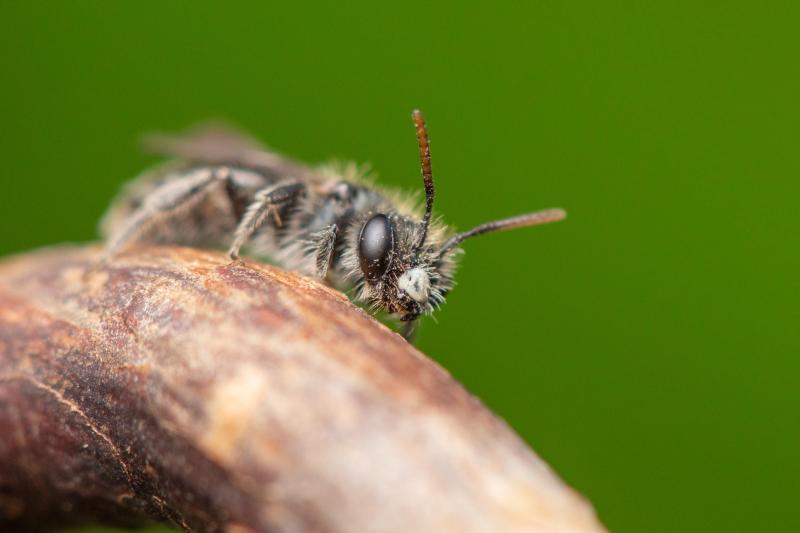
399	276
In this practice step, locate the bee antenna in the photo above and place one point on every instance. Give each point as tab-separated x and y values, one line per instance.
427	174
530	219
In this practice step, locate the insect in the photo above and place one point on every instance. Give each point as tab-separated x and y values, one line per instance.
226	190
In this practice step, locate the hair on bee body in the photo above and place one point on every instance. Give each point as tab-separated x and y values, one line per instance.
224	190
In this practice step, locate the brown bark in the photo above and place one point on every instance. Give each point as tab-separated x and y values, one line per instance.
218	396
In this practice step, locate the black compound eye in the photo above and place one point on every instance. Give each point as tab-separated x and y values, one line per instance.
375	246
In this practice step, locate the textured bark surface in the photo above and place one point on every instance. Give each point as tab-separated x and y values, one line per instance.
219	396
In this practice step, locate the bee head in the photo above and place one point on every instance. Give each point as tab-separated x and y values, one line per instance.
406	262
398	276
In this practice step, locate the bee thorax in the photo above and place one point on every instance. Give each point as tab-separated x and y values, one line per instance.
416	284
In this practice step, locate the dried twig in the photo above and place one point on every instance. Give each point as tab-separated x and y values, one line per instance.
218	396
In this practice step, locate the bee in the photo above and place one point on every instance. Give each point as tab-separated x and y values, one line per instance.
224	190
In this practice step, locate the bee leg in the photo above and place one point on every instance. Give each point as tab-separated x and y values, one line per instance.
265	202
164	201
322	245
409	330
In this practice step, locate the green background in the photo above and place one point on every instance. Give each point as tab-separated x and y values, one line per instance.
647	347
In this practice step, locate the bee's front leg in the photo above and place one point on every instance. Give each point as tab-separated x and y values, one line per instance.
321	246
408	330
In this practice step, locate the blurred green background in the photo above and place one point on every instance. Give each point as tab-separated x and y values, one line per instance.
647	347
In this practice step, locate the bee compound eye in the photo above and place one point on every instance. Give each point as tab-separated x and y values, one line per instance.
375	246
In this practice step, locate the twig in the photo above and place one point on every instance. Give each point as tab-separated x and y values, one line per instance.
217	396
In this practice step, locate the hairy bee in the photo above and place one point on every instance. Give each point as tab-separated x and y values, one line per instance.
225	190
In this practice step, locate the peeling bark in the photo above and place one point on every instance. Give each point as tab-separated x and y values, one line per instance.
217	396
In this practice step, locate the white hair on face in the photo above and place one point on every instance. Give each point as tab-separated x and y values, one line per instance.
416	283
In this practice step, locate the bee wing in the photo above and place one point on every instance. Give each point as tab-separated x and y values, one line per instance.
208	143
218	144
